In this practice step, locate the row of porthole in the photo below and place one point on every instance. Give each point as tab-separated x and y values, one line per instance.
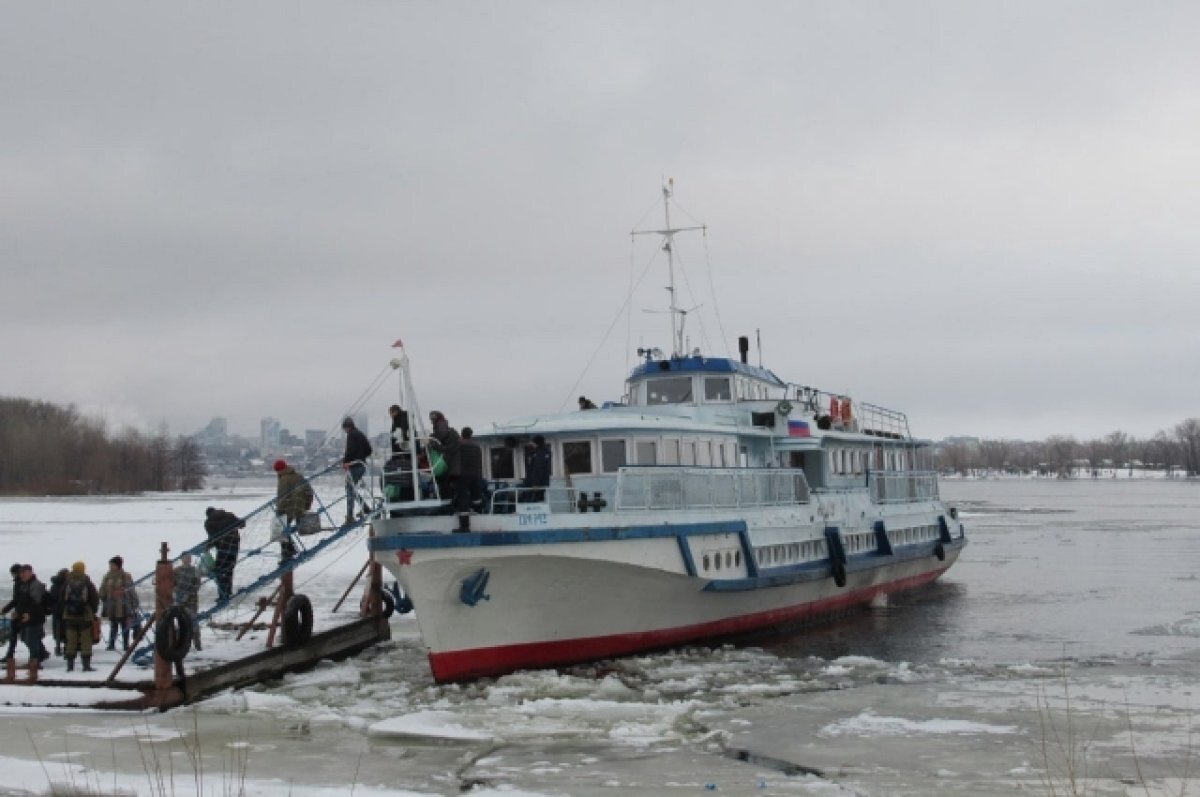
916	534
790	553
713	561
854	543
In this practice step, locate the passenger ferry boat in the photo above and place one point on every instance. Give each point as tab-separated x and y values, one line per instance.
714	499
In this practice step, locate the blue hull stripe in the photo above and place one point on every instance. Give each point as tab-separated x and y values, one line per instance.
395	542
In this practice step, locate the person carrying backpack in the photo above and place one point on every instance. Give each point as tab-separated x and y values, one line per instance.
80	600
293	497
54	594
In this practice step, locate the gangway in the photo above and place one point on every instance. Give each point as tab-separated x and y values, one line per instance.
269	546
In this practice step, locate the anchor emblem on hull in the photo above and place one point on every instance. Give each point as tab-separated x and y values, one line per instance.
473	587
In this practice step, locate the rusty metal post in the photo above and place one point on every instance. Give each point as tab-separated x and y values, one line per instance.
164	593
285	595
375	590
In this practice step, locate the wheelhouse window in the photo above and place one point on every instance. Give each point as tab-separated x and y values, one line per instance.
501	458
612	455
577	457
716	388
647	452
671	390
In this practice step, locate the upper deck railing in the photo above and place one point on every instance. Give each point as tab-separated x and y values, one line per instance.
889	487
708	488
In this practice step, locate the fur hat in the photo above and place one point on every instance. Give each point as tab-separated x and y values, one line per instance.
118	561
279	465
79	568
15	568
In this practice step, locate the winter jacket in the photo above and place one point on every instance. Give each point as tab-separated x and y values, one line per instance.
119	596
470	457
57	582
79	584
293	495
358	449
222	529
538	467
399	431
446	441
29	599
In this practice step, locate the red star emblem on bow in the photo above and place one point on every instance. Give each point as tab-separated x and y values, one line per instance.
405	556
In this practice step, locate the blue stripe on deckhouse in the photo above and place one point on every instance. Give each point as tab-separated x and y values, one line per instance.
599	534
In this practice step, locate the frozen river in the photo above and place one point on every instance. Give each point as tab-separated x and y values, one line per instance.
1065	644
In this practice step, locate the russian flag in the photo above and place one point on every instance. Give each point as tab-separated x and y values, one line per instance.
798	429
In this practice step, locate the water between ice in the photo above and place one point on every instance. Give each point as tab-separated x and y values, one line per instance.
1065	642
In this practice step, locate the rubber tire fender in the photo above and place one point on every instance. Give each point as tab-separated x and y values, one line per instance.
389	604
939	551
297	621
839	574
173	634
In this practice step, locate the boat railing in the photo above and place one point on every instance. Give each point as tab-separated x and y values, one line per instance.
897	487
708	488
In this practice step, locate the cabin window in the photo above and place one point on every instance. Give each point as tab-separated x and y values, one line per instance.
502	462
689	453
612	455
704	454
672	390
670	452
647	452
716	388
577	457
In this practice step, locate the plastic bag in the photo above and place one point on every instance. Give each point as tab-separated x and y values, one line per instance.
208	565
437	463
277	527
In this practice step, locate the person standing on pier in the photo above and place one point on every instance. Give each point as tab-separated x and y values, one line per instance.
120	602
14	629
29	603
57	582
187	593
79	603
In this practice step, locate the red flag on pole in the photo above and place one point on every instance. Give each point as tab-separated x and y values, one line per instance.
399	344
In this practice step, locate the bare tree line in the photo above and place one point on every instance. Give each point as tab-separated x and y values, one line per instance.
47	449
1177	450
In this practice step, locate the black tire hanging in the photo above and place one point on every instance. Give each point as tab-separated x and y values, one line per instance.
297	621
173	634
839	574
389	604
939	551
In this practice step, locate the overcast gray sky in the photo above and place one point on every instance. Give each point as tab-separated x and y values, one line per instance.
983	214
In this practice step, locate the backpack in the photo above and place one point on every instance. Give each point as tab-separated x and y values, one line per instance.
75	598
47	602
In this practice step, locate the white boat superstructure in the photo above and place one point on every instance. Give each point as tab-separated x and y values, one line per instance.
713	499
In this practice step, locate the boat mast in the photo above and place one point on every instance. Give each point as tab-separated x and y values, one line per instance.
678	314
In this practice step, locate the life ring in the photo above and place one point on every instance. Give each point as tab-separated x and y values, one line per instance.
839	573
173	634
939	551
784	407
297	621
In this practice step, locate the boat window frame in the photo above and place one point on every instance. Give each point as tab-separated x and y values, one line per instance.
562	444
667	443
624	454
491	461
638	442
674	378
729	388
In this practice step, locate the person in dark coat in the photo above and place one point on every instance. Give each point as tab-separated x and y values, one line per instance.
444	439
293	496
30	607
468	490
81	601
57	582
358	451
538	468
586	403
399	427
14	629
222	530
187	593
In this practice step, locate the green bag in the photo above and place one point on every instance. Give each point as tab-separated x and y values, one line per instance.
207	564
437	463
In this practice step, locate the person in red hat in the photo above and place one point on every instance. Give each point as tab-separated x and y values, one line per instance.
293	497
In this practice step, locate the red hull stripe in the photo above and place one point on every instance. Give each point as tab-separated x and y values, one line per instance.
459	665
